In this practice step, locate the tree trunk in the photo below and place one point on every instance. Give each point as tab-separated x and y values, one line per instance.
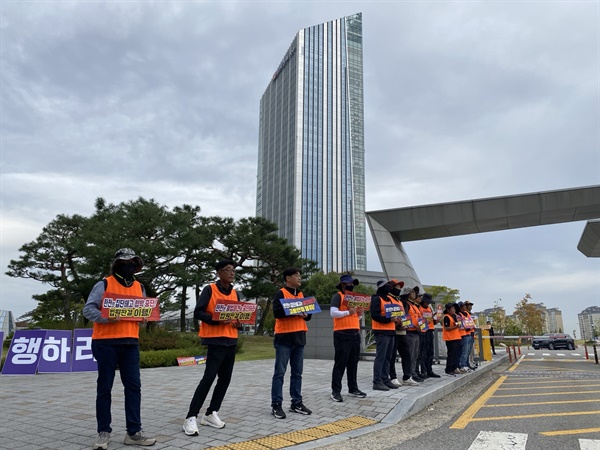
261	325
183	307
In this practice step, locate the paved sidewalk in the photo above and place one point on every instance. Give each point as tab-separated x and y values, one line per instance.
56	411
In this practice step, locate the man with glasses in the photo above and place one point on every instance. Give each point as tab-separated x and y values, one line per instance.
221	339
289	342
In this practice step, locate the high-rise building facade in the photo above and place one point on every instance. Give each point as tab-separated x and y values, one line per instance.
311	177
589	322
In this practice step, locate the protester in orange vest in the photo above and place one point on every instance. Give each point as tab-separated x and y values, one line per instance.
467	339
346	340
451	334
399	340
410	300
384	330
221	338
289	342
115	343
426	343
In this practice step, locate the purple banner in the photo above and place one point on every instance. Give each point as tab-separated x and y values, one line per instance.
83	360
24	352
56	352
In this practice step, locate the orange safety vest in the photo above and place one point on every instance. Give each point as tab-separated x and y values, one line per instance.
415	314
220	329
351	322
385	326
427	314
290	324
121	328
450	335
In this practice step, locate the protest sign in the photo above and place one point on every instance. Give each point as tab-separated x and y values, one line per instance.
232	310
393	310
83	360
23	354
296	306
439	312
359	301
190	360
56	349
129	307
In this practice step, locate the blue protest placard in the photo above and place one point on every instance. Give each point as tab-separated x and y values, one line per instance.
83	360
297	306
24	352
56	352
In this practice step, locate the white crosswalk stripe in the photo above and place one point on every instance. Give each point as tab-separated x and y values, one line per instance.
589	444
560	354
497	440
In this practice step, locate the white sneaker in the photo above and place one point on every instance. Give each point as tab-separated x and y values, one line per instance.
395	382
410	382
212	421
190	426
102	441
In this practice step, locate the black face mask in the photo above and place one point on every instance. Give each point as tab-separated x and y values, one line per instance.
395	292
126	270
349	288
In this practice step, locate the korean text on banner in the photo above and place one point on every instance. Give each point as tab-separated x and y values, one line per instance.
297	306
83	360
130	307
56	352
24	353
355	300
232	310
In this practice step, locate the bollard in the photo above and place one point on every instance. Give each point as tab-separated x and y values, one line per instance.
587	356
519	350
596	353
509	354
515	352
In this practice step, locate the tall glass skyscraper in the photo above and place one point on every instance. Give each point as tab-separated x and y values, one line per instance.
311	177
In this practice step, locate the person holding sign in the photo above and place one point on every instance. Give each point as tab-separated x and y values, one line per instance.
411	300
384	312
452	337
115	343
346	312
468	339
221	339
426	347
289	342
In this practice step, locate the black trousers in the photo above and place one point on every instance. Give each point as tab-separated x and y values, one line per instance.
347	354
219	361
404	355
454	349
426	351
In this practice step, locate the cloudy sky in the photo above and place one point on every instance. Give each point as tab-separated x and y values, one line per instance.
161	99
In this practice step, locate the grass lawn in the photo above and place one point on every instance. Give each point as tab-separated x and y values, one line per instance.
256	347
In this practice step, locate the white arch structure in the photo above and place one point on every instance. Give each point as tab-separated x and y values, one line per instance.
391	227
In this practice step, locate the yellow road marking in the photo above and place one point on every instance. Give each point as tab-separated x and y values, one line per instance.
561	402
564	432
468	415
516	364
545	387
546	393
534	416
537	382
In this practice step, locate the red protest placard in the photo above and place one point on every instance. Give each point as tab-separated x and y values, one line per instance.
355	300
232	310
129	307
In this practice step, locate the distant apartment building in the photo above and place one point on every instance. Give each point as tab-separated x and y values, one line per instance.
589	321
554	321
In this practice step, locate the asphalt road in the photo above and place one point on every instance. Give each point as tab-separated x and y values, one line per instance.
548	400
